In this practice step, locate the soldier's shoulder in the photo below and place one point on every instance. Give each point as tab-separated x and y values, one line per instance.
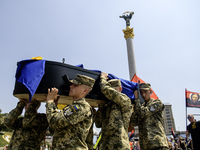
82	104
157	101
81	107
122	96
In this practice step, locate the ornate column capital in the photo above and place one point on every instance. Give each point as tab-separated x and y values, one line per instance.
128	33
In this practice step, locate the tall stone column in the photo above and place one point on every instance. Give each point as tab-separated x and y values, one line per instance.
128	35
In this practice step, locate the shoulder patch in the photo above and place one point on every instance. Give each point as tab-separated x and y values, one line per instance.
152	108
68	111
76	107
71	109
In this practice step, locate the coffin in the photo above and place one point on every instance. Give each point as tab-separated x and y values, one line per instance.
54	77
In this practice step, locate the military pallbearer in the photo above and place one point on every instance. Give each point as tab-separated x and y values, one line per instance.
30	130
149	118
113	117
70	126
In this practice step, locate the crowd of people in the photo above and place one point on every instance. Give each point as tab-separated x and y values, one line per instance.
180	143
134	144
72	127
173	143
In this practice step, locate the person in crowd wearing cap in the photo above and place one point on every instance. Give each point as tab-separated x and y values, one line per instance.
113	117
30	130
71	125
149	118
171	139
194	129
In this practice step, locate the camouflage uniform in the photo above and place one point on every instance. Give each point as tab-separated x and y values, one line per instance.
71	125
89	139
113	119
30	130
149	118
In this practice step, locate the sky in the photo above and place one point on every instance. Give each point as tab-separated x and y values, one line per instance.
166	43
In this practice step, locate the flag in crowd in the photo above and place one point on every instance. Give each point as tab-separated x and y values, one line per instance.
131	135
173	133
138	80
192	99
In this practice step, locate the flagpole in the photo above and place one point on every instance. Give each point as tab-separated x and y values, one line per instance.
186	109
186	106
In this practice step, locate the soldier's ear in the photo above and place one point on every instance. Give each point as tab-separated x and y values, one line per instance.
85	90
120	89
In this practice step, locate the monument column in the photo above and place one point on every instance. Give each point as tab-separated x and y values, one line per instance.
128	35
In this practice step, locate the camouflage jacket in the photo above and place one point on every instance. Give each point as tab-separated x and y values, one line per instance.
89	139
30	130
71	125
113	119
149	118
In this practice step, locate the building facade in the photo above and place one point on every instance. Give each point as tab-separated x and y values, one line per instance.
168	123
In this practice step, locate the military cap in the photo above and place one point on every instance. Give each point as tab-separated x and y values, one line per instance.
114	82
82	79
145	86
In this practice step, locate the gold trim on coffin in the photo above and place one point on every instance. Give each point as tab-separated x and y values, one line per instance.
63	100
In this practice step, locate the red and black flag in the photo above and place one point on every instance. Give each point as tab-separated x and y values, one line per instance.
192	99
131	135
173	133
138	80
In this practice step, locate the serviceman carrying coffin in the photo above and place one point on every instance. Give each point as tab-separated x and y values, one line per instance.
113	117
149	118
30	130
71	125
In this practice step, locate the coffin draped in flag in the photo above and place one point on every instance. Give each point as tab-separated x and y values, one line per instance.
30	73
34	77
138	80
192	99
128	87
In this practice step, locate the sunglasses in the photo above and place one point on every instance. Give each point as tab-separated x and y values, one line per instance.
189	117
